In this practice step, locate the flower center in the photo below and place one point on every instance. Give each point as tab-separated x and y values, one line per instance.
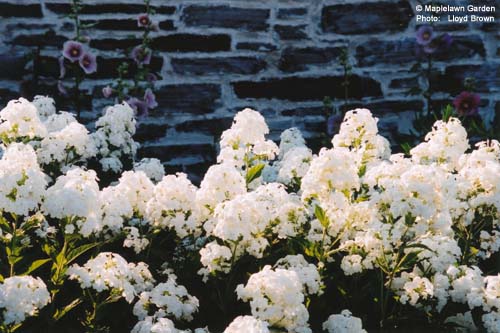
75	52
426	35
465	105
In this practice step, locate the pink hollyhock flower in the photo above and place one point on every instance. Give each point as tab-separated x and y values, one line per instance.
467	103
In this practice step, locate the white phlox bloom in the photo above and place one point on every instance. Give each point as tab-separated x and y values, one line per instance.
308	273
113	136
166	299
246	137
110	272
21	297
214	258
332	170
221	182
152	167
70	144
172	206
156	325
247	324
45	106
22	182
19	119
344	322
75	196
443	145
276	296
359	133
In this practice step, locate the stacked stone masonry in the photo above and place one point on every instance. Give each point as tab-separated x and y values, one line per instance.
216	57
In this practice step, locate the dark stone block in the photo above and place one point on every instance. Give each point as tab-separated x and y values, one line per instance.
29	26
19	10
403	83
291	32
167	25
65	8
462	47
6	95
47	39
202	66
256	46
306	88
112	24
366	18
305	111
150	132
167	10
114	44
249	19
384	107
106	67
374	52
190	98
291	13
192	42
486	76
299	59
209	126
124	24
12	66
379	51
166	153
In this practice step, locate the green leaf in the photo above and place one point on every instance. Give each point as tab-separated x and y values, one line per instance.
420	246
75	253
321	216
61	312
35	265
254	172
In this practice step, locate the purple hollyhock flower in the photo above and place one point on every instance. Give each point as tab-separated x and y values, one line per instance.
62	68
72	50
150	99
333	124
467	103
143	20
140	107
425	35
88	63
141	55
107	91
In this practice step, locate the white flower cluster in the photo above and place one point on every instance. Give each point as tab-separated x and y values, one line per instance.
167	299
75	198
22	182
276	296
344	322
245	223
21	297
113	136
293	160
247	324
152	167
19	120
110	272
173	206
245	140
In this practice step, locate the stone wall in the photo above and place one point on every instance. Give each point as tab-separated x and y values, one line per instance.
280	57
